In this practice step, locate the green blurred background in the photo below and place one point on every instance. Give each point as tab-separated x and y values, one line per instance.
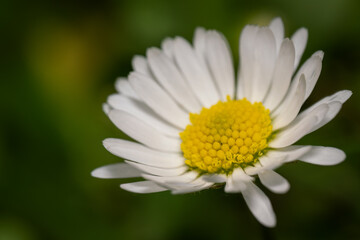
59	63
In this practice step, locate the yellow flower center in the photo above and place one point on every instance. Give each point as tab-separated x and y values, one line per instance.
228	135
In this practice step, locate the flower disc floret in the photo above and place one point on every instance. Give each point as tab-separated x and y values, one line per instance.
228	135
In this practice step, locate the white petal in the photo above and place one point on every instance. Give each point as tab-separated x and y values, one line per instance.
334	109
237	181
180	179
264	63
266	162
167	46
220	63
117	170
254	170
197	182
215	178
192	189
247	40
143	132
323	156
165	172
311	154
170	78
290	153
144	113
194	186
259	204
334	103
200	43
158	100
300	39
142	187
274	181
230	186
141	154
277	27
319	54
282	75
290	108
311	69
239	175
299	128
122	85
141	65
195	73
341	96
106	108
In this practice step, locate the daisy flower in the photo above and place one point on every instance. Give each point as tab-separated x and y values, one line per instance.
196	128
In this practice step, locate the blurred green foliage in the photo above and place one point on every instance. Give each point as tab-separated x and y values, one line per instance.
59	62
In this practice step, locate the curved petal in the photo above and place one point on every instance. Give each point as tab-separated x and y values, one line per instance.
311	154
170	78
333	102
282	75
311	69
289	153
340	96
323	156
144	113
220	63
143	155
277	27
334	109
299	127
274	181
158	100
300	39
290	108
259	204
117	170
195	73
142	187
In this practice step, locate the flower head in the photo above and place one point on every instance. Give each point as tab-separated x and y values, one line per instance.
195	128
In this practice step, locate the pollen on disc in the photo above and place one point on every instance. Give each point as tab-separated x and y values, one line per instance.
228	135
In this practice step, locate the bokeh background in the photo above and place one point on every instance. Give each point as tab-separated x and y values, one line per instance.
59	63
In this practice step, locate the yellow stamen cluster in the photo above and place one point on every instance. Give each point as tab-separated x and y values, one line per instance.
225	136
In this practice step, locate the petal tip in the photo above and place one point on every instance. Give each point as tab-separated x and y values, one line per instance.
346	95
94	173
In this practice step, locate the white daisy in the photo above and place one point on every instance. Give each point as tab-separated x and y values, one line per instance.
196	129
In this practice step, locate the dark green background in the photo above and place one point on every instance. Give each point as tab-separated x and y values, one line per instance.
59	61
